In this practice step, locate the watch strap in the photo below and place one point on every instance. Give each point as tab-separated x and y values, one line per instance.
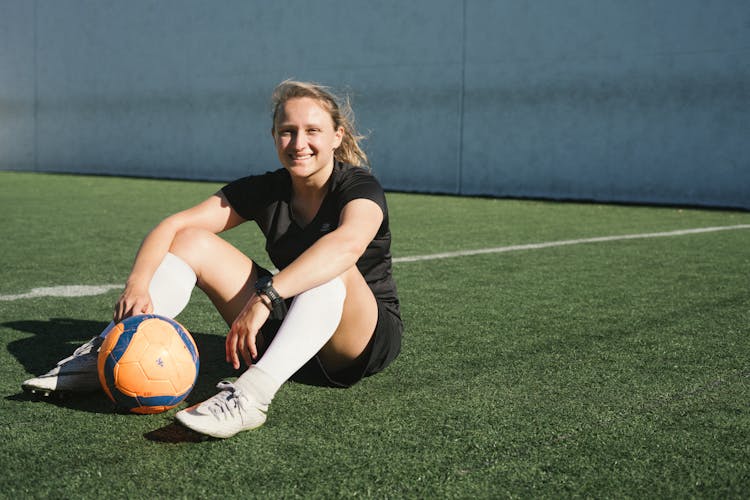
265	286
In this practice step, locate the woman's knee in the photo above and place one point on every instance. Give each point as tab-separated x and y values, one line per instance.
223	272
215	261
191	242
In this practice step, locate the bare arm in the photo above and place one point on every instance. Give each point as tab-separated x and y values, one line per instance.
214	214
335	252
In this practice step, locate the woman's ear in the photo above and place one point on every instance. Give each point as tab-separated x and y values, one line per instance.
339	137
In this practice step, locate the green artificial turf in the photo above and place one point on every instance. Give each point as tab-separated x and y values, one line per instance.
612	369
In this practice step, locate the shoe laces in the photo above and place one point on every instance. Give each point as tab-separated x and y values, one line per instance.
228	402
88	347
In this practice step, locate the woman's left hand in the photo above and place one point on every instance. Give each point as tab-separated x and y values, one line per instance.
241	339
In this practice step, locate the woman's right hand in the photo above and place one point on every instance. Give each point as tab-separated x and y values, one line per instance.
134	300
243	334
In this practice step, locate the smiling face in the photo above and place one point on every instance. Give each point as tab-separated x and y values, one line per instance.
306	139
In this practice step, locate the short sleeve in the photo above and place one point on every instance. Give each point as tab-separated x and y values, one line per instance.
360	183
248	196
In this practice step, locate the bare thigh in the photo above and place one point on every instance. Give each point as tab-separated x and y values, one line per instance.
225	274
352	336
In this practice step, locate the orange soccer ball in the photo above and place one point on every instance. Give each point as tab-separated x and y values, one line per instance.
148	364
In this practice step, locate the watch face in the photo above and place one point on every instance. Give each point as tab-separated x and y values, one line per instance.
263	283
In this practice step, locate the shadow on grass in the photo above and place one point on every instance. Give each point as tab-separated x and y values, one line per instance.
91	402
176	433
57	338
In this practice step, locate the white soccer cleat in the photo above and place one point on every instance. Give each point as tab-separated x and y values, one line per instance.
76	373
225	414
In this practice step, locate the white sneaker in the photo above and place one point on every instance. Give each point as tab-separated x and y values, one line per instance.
76	373
226	414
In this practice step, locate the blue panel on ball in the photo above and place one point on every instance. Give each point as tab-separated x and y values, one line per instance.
123	401
130	327
161	400
109	375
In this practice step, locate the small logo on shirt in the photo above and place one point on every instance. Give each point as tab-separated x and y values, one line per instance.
325	227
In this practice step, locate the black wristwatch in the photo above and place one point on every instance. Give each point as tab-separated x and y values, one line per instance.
264	286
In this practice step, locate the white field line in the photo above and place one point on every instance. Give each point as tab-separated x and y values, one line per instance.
62	291
550	244
87	290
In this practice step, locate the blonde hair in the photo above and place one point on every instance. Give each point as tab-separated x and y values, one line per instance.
340	110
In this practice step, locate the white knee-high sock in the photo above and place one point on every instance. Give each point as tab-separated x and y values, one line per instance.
310	322
170	288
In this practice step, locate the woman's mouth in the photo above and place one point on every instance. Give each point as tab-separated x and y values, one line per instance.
299	157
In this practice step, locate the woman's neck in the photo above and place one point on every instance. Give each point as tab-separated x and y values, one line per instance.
307	197
314	187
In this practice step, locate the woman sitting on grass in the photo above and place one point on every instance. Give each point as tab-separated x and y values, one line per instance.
330	315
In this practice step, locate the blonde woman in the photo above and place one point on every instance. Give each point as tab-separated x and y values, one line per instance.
329	316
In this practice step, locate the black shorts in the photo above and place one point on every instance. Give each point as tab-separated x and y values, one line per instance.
384	346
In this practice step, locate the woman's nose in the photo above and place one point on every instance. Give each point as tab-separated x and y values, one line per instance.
299	142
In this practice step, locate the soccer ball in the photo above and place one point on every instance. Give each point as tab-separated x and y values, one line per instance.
148	364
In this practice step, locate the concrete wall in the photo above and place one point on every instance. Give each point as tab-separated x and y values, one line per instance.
640	101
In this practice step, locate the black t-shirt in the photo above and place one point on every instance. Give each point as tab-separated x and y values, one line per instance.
265	199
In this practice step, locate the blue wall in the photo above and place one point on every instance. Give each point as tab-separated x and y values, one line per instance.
639	101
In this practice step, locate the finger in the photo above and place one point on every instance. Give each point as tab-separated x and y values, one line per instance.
247	351
138	306
253	348
231	348
147	308
129	307
241	346
121	310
